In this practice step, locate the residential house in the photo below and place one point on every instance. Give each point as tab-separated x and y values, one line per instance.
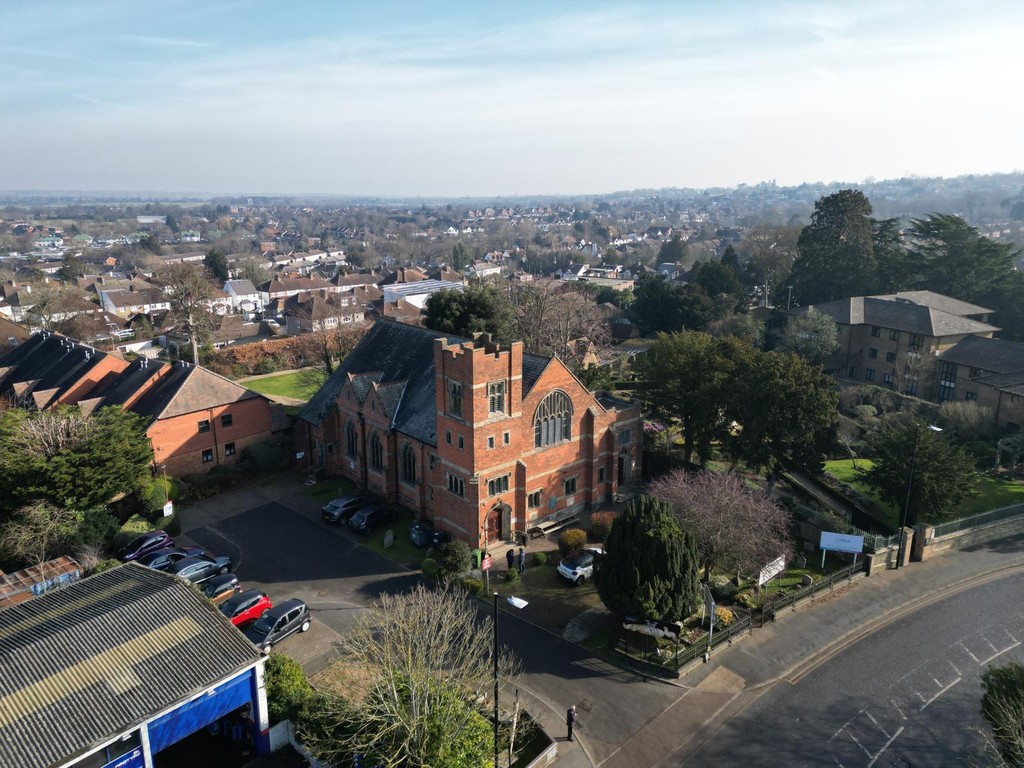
480	438
125	303
573	272
195	419
11	334
987	371
320	311
243	296
281	287
481	269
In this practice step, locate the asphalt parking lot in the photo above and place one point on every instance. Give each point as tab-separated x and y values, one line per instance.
291	554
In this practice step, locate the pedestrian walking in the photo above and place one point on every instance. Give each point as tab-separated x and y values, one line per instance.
570	720
522	561
511	557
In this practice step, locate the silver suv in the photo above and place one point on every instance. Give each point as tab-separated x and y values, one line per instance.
580	566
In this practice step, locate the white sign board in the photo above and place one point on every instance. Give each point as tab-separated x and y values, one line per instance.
168	508
770	571
842	542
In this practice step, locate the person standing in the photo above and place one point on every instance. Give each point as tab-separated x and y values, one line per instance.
522	561
510	556
570	720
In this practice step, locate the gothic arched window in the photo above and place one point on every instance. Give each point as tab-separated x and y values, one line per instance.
552	422
351	440
376	453
408	464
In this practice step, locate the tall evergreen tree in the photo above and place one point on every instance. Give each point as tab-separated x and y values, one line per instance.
836	250
649	569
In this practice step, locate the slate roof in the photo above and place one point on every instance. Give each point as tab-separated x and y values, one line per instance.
87	662
899	315
46	366
395	353
937	301
187	389
991	355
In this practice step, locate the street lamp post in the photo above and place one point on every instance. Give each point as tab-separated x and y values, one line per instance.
910	485
516	602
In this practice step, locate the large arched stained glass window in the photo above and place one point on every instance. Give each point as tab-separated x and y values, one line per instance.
552	423
408	464
376	453
351	441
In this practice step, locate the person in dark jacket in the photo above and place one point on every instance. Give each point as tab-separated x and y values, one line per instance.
570	720
510	556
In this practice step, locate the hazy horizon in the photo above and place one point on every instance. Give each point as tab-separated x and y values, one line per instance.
400	100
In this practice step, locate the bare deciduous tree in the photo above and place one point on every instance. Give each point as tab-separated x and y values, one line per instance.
38	532
550	318
418	668
48	433
736	526
190	292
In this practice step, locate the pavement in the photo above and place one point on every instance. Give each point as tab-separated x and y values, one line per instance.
627	719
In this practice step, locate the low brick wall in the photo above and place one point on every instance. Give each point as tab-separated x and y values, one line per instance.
929	546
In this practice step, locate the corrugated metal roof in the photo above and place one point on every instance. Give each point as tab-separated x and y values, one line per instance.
85	663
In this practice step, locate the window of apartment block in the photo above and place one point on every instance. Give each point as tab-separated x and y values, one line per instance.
970	395
894	335
351	442
226	420
890	357
872	353
204	426
376	453
496	397
454	398
497	485
974	373
876	331
869	374
916	341
490	442
947	382
207	455
229	449
852	373
456	485
600	474
506	438
448	436
887	378
570	486
462	442
533	500
625	437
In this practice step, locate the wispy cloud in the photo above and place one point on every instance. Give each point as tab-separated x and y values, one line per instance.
166	42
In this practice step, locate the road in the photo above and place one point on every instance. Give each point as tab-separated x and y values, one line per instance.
907	695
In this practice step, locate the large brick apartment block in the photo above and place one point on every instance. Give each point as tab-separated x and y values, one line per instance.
478	437
196	420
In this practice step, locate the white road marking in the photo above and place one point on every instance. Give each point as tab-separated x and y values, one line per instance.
890	741
998	653
961	644
897	707
872	719
933	698
848	733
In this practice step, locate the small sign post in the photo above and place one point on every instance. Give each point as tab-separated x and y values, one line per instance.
709	603
485	566
168	508
840	542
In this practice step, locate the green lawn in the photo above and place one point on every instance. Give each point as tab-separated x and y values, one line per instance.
992	493
296	384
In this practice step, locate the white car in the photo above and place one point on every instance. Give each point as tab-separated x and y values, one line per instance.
580	566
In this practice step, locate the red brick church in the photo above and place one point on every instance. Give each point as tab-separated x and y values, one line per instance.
480	438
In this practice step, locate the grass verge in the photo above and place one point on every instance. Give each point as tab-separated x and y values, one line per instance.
295	384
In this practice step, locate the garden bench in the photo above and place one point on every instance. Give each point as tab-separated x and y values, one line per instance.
542	529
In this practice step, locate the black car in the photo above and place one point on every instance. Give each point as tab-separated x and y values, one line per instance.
339	510
279	622
141	545
199	569
162	559
370	518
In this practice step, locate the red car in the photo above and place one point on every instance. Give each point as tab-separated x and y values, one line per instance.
246	606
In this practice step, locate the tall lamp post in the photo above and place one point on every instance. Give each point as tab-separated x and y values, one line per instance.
516	602
910	485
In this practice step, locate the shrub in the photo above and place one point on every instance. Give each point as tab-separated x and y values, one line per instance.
429	567
104	565
601	525
722	587
571	541
723	617
747	599
862	412
98	527
540	558
475	587
288	690
453	558
511	576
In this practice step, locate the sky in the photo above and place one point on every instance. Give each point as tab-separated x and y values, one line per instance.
460	99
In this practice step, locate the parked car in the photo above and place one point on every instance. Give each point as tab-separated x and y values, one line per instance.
339	510
221	588
279	622
199	569
247	606
164	558
370	518
580	566
141	545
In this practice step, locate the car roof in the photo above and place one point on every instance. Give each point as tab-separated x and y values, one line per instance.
281	609
185	562
242	597
221	580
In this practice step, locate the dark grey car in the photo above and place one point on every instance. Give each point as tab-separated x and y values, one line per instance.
370	518
339	510
199	569
279	622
